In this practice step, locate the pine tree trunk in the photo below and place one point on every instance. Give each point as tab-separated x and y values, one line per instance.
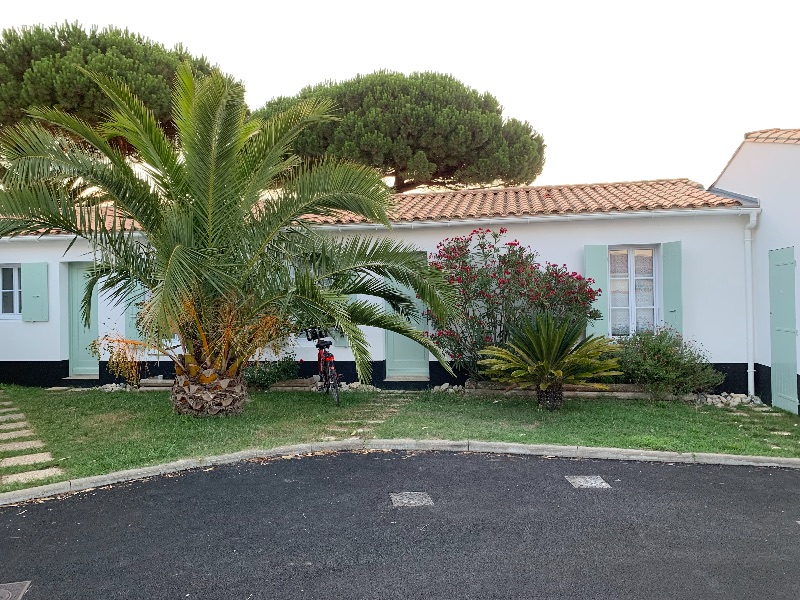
208	393
552	398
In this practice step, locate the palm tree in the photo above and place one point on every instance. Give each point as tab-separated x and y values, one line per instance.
212	235
547	353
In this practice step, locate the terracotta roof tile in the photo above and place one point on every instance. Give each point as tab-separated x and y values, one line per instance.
661	194
774	136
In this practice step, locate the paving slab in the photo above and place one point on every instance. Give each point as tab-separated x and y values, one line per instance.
8	409
6	402
21	446
14	425
16	434
14	417
31	475
26	459
13	591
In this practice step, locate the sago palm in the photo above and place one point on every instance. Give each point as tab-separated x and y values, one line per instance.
211	233
547	353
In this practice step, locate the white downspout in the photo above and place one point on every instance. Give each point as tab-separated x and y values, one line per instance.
748	302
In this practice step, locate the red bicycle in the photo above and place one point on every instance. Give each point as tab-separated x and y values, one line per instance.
328	377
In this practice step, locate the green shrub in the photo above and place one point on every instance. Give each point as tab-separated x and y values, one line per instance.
264	374
666	364
547	353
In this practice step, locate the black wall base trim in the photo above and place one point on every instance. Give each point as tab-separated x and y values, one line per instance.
150	368
764	383
735	378
347	369
53	373
32	373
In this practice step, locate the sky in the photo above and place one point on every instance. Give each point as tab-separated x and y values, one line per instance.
621	90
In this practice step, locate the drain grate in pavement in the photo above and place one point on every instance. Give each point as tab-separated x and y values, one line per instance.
586	481
13	591
411	499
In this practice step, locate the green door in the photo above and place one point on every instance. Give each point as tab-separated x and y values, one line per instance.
406	359
81	361
783	328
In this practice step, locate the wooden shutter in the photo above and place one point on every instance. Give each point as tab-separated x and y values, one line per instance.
595	265
673	289
35	301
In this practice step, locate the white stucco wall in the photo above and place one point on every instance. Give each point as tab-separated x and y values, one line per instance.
49	340
713	273
771	173
713	268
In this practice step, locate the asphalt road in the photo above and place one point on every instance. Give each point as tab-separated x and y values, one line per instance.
500	527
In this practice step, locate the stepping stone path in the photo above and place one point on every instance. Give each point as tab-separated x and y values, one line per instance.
360	421
16	442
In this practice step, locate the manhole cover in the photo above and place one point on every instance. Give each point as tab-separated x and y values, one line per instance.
411	499
13	591
586	481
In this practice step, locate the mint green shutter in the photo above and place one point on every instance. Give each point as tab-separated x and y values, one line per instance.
131	314
595	266
34	292
673	292
783	329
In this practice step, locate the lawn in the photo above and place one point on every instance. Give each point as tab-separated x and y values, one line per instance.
92	432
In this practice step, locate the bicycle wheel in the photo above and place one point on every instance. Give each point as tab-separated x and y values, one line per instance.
334	383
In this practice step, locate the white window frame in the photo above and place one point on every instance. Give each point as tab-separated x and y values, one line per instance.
16	288
657	281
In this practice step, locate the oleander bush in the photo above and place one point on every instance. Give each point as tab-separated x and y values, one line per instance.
501	284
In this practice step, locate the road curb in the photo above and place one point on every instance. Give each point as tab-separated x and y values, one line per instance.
86	483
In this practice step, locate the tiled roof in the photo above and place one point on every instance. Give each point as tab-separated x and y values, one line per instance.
774	136
663	194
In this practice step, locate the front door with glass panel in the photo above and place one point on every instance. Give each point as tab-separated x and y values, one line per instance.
632	279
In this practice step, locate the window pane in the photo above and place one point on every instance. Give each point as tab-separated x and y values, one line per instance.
618	260
8	279
619	292
620	321
644	319
8	303
644	292
643	262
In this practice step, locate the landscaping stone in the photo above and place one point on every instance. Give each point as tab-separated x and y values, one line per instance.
31	475
26	459
57	388
6	402
14	417
115	387
16	434
14	425
21	445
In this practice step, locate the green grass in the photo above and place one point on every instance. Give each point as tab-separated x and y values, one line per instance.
607	423
92	432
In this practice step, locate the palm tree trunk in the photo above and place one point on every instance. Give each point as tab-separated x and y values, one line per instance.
552	398
207	393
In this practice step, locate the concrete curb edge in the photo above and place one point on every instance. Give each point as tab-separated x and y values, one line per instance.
86	483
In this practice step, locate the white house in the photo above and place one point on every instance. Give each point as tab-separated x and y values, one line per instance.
664	252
